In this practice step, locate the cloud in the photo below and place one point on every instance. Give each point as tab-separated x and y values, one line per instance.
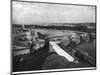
32	13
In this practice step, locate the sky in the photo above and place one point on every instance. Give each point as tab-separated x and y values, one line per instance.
36	13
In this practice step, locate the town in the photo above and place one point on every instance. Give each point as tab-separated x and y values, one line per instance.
49	46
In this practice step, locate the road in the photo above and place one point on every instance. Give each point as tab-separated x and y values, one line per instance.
61	52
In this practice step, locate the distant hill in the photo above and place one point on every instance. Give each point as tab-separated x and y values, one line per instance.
61	24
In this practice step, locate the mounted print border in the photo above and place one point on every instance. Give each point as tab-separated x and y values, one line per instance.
52	37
